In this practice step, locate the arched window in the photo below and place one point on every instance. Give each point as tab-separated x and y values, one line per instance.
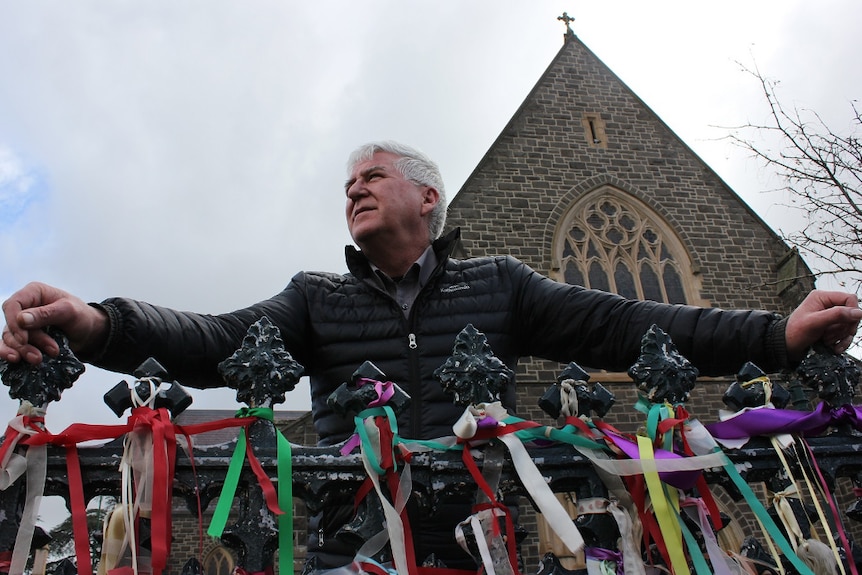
611	241
219	561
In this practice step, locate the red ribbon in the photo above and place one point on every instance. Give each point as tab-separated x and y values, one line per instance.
467	458
164	435
80	532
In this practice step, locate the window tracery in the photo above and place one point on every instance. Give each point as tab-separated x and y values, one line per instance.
612	242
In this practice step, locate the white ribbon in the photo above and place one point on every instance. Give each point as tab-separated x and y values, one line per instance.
568	398
481	542
632	563
547	503
35	465
14	465
136	476
717	557
394	525
637	466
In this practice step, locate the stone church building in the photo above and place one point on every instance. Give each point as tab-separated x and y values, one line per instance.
586	184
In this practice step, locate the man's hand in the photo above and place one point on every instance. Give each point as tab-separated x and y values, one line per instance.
37	306
827	317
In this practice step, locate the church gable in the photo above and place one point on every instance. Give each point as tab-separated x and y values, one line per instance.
581	128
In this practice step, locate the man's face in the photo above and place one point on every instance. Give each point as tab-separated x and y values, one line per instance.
384	206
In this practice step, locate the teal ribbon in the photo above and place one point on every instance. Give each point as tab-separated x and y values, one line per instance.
381	411
761	513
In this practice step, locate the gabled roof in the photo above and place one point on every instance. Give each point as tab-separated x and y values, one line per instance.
545	157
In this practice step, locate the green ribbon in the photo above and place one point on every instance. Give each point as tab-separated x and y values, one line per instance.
565	435
285	487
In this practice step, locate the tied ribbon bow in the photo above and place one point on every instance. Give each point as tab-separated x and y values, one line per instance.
504	427
377	436
147	468
385	390
768	421
280	503
27	430
28	423
611	561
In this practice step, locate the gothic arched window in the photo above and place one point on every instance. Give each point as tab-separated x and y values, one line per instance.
219	561
612	242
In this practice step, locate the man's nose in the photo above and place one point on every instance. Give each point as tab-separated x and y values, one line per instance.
356	190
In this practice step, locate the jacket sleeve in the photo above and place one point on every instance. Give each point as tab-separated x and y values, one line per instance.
602	330
191	345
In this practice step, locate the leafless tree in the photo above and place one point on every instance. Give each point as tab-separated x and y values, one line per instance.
820	170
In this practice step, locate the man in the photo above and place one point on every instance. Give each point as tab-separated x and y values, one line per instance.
401	306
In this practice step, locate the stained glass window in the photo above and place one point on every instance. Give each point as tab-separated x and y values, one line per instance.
615	243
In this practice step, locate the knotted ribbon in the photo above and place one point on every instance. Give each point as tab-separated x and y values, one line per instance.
487	420
280	502
378	433
30	421
768	421
147	473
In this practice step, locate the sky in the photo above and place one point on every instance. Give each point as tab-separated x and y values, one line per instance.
192	154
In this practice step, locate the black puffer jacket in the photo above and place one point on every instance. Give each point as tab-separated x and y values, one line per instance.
331	323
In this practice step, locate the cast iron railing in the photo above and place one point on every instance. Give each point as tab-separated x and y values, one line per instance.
568	458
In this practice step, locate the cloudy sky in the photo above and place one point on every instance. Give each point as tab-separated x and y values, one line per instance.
192	153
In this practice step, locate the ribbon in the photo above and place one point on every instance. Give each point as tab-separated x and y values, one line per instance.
147	471
385	390
603	561
377	429
280	502
28	422
696	508
827	495
485	526
547	503
27	429
664	506
756	421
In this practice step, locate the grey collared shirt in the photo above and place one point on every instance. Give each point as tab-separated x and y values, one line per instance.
406	288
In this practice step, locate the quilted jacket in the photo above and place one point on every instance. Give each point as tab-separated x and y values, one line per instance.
331	323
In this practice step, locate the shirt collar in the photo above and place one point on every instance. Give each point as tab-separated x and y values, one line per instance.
426	264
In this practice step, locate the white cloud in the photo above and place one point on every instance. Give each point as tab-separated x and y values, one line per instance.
17	185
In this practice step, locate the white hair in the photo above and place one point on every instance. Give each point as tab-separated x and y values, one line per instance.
414	166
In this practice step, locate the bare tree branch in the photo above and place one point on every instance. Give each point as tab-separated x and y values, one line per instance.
821	173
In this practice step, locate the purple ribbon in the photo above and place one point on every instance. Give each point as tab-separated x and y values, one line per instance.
777	421
600	554
679	479
385	390
487	422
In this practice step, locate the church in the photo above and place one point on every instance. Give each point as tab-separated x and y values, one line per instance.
587	185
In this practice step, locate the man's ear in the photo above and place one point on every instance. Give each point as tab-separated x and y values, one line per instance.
430	197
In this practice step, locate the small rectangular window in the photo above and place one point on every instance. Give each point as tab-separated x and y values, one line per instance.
594	131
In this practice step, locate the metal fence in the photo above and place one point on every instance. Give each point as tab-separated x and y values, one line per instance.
644	502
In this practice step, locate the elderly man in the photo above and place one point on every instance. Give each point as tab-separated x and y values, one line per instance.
401	306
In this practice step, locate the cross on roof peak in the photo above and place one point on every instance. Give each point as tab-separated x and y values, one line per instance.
568	20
